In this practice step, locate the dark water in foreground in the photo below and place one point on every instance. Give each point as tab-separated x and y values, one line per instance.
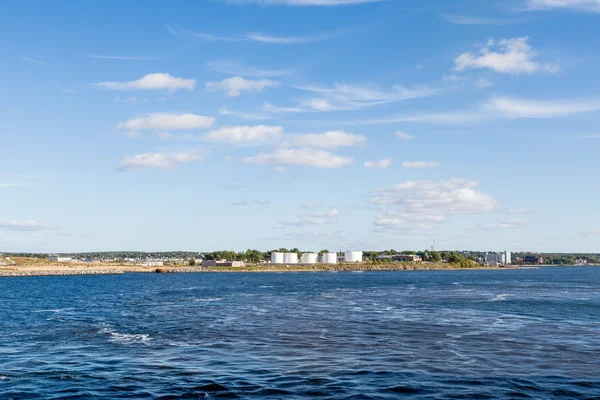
467	334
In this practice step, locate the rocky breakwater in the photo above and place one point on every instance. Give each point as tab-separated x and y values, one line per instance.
49	271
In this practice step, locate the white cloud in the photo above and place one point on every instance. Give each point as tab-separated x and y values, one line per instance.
279	170
299	3
303	157
583	5
343	97
512	56
159	160
166	121
331	139
418	205
420	164
244	134
381	164
156	81
237	68
234	86
524	108
404	136
28	225
164	135
483	83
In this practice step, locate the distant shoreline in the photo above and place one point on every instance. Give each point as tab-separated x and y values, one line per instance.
75	270
95	269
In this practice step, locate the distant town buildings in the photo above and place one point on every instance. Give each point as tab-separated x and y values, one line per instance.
59	258
402	258
152	264
496	259
222	263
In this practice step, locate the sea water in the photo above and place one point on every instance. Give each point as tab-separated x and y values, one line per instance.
372	335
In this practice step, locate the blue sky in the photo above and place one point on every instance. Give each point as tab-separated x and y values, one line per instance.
340	124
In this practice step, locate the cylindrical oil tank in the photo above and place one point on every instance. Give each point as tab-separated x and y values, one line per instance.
353	256
276	258
290	258
329	258
309	258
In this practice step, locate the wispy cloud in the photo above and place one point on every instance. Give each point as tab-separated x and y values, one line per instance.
507	224
306	157
380	164
237	68
166	121
271	39
304	3
23	226
475	20
243	115
404	136
342	97
525	108
315	218
125	58
159	160
263	37
234	86
483	83
580	5
155	81
420	164
46	64
511	56
246	203
67	90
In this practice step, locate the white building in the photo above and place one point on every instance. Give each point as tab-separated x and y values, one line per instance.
494	259
353	257
276	258
60	259
290	258
309	258
330	258
153	264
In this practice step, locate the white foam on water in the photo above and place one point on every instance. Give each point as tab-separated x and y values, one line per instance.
209	299
125	338
56	311
502	297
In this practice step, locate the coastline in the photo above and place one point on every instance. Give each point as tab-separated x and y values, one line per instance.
74	270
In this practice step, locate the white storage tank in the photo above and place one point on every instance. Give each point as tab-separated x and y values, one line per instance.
276	258
309	258
353	256
329	258
290	258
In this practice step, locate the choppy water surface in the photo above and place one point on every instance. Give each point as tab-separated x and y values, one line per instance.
467	334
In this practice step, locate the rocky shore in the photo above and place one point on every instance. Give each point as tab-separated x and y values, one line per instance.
114	270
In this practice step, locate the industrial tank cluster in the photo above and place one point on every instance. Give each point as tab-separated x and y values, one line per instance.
313	258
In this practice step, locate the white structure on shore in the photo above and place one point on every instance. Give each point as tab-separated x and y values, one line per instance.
353	256
276	258
494	259
290	258
309	258
60	259
329	258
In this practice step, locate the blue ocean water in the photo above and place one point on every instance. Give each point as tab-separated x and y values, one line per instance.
379	335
